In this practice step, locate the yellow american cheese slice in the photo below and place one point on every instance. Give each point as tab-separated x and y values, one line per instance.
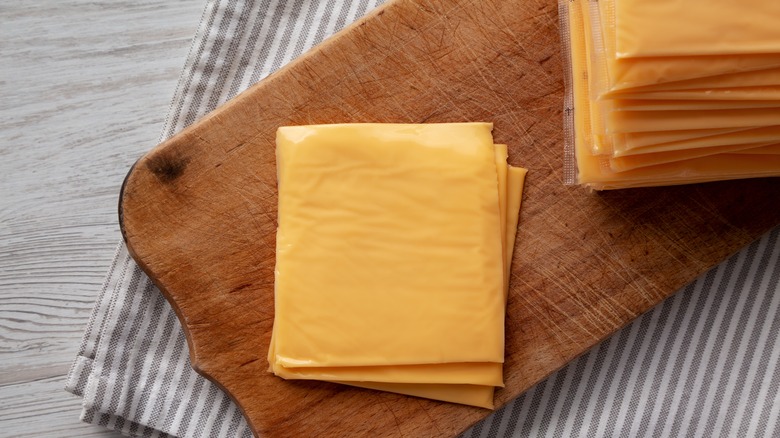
763	150
595	171
470	394
636	140
338	303
627	73
643	121
671	105
731	81
754	136
629	162
696	27
758	93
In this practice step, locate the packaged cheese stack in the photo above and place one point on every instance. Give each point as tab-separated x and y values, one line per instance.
671	91
393	247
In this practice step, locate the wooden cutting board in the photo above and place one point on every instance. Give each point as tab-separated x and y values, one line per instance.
199	211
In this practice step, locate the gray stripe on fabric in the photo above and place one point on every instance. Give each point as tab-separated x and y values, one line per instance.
236	421
265	49
773	389
195	55
680	360
342	18
190	411
185	381
232	50
113	345
609	377
704	340
644	369
170	370
552	402
250	48
306	31
763	364
476	431
156	363
286	35
636	346
361	8
494	422
568	401
514	414
324	22
208	69
79	372
590	386
758	322
525	430
87	347
222	411
712	418
135	326
682	302
155	308
200	427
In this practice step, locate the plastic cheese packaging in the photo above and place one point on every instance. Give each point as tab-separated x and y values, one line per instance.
371	219
696	27
621	72
677	116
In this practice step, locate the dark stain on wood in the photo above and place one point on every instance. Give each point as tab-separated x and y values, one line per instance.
167	167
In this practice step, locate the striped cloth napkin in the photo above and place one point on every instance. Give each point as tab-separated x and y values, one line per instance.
706	362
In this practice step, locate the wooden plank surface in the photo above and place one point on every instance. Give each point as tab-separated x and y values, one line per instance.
198	212
85	87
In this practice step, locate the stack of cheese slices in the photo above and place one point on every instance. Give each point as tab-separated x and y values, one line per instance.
393	247
673	92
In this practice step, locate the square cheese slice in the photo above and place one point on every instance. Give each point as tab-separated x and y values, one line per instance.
389	248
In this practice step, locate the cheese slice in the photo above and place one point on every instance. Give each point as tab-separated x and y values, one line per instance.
515	185
419	379
757	78
762	93
750	137
635	140
337	303
616	73
621	164
691	105
596	173
696	27
644	121
763	150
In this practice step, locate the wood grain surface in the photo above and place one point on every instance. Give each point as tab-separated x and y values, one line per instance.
84	89
199	211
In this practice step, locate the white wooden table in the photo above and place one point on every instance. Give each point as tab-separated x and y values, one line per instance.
84	89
